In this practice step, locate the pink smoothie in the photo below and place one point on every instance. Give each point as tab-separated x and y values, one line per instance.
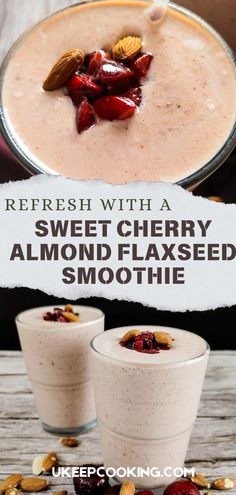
188	108
57	360
147	403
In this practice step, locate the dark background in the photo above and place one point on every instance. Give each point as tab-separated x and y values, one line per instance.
217	327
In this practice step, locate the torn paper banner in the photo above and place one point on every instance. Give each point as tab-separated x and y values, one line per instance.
151	243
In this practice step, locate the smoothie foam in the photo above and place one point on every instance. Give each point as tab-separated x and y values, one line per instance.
188	108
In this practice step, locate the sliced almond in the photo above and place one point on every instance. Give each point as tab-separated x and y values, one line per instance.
11	481
63	69
33	484
69	308
223	484
37	466
163	338
127	48
12	491
131	334
200	481
71	317
49	462
127	488
69	442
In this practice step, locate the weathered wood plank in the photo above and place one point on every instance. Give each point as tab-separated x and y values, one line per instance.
212	448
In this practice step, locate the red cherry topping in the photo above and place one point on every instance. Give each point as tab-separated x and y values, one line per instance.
96	60
80	85
114	107
85	116
135	94
114	71
141	64
118	88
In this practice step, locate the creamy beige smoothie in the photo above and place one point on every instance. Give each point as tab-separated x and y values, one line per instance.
147	403
58	363
188	104
220	13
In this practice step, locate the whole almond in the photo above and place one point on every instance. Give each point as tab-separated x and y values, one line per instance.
127	48
127	488
131	334
71	317
37	466
11	481
200	481
223	484
163	338
33	484
63	69
49	462
69	442
62	492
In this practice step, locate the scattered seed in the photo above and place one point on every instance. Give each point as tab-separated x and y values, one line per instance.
69	442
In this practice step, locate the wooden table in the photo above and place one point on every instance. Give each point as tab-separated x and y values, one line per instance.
212	449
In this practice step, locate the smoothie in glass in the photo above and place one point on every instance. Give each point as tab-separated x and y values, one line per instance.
186	117
58	363
147	403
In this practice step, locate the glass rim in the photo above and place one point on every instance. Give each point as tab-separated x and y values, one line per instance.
133	364
55	325
34	166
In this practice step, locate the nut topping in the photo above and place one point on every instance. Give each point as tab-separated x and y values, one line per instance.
69	442
12	491
49	462
163	338
200	481
127	488
63	69
223	484
11	481
71	317
131	334
37	466
127	48
33	484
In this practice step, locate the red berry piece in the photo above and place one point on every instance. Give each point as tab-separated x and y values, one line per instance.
118	88
181	487
81	86
141	64
114	71
48	316
93	484
114	107
135	94
145	492
95	63
85	116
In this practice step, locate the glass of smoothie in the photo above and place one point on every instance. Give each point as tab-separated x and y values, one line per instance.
182	130
55	347
220	13
147	401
